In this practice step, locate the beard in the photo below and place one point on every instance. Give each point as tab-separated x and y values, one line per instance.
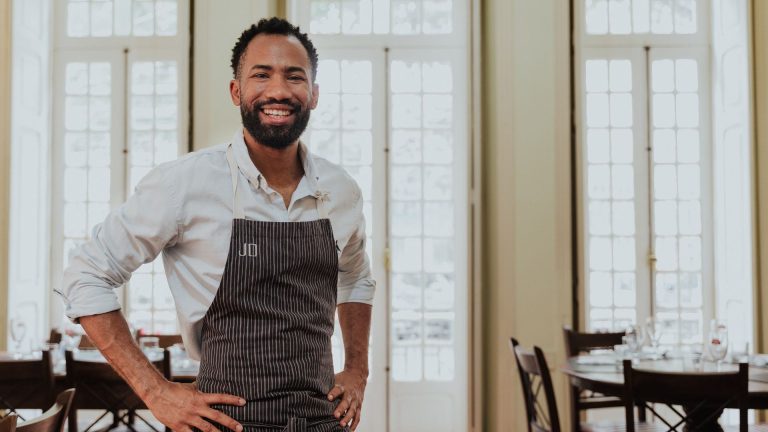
278	137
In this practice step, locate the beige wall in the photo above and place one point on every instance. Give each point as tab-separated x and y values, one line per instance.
760	51
526	199
216	30
5	158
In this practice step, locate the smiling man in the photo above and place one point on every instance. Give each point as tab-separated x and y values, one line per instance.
263	243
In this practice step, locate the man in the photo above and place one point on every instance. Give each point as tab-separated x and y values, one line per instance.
257	237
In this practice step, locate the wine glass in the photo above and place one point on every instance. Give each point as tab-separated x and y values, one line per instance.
18	331
718	343
635	337
654	328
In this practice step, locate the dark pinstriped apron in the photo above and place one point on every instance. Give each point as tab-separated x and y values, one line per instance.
267	334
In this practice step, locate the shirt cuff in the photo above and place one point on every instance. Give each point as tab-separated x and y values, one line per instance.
89	300
361	292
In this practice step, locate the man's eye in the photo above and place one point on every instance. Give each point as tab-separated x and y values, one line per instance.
296	78
260	75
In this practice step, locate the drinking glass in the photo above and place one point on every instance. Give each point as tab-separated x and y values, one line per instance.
654	329
717	343
635	337
18	330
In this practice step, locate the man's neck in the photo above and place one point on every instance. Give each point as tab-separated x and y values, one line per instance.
281	167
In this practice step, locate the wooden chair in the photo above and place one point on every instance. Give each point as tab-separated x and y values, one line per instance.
535	378
54	336
8	423
702	395
53	419
26	384
582	400
100	387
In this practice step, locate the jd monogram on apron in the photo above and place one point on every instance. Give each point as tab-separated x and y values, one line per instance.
267	334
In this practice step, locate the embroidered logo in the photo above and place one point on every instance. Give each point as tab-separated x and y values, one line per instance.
249	249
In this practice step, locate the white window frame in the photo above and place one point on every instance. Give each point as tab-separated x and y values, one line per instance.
120	51
631	46
454	48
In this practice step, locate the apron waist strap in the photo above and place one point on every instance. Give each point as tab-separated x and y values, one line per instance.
297	424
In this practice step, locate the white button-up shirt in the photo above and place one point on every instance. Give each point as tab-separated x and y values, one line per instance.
184	209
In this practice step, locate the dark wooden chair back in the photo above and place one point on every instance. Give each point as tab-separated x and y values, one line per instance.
577	343
53	419
100	387
704	395
54	336
164	340
581	400
535	379
8	423
26	384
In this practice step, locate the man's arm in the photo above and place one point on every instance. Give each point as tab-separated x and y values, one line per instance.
355	321
132	235
178	406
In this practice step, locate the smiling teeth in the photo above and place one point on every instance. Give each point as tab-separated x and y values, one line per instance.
275	112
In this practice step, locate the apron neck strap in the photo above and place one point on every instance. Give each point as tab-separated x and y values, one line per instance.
237	208
320	197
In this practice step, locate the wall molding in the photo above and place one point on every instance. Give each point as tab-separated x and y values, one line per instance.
5	159
760	79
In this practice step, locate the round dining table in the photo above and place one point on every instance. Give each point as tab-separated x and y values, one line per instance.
603	374
183	369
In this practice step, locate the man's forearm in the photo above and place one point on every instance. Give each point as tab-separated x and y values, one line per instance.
355	321
111	335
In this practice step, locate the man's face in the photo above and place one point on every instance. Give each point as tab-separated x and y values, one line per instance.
275	91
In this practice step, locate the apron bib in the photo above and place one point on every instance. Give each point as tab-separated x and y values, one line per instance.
267	334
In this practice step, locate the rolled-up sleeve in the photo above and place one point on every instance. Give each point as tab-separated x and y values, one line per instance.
356	284
131	235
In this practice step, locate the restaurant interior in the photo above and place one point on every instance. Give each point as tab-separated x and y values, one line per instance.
565	202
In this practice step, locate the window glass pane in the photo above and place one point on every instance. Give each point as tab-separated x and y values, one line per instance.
78	19
620	16
597	16
661	16
101	18
600	289
166	13
356	16
621	75
624	290
406	17
143	18
641	16
685	16
438	16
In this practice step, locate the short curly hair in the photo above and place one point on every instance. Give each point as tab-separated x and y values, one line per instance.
272	26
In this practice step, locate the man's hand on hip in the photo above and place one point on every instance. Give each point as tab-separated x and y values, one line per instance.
350	388
182	407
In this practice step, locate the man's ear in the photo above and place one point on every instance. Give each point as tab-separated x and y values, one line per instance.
315	96
234	91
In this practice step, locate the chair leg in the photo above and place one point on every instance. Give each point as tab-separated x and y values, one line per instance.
641	412
575	415
72	420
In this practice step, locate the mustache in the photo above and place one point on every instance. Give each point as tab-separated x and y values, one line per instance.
260	104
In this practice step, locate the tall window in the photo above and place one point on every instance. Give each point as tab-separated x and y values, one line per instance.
645	146
393	93
120	109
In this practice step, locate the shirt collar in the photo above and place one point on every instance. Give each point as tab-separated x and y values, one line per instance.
247	167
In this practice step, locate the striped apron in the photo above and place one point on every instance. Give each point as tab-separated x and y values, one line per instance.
267	334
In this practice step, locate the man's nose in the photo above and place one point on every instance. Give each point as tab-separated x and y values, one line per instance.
277	89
